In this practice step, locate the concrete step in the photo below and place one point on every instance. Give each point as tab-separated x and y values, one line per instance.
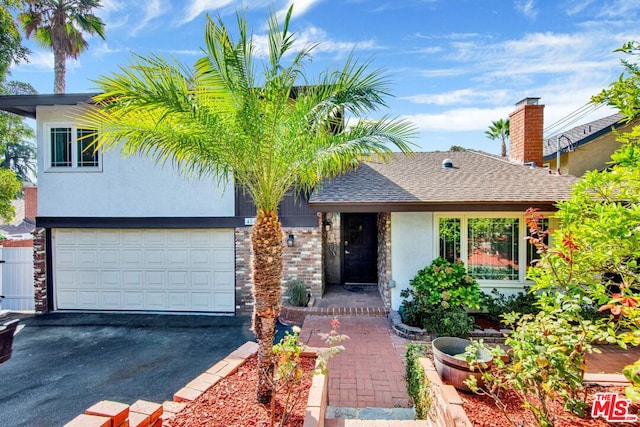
406	414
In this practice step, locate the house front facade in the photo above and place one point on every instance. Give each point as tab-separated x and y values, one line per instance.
126	234
391	219
121	233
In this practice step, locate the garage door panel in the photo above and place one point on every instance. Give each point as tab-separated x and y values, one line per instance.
88	299
155	257
132	300
225	300
131	257
110	279
132	238
177	238
111	299
109	257
223	280
67	298
88	279
66	257
155	279
156	300
177	257
159	270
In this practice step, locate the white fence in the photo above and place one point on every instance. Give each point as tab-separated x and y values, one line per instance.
16	280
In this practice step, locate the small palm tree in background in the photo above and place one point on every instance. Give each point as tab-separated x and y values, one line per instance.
59	25
499	129
223	118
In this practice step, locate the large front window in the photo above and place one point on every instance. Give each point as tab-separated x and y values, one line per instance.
493	248
72	148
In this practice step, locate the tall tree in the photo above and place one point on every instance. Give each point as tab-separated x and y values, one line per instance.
223	119
11	49
17	138
499	129
59	25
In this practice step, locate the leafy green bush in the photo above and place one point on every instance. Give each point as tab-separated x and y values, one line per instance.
438	298
297	293
496	304
448	322
547	359
443	281
418	386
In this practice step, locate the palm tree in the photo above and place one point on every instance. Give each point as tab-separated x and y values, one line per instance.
221	119
59	25
499	129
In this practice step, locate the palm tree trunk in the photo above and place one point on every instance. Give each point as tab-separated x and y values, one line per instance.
266	242
504	148
60	69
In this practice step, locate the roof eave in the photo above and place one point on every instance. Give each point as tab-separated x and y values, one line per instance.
461	206
25	105
586	140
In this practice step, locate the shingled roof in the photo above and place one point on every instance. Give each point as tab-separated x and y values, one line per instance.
580	135
420	182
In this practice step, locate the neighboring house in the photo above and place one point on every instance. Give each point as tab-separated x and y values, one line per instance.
585	147
393	219
127	234
19	231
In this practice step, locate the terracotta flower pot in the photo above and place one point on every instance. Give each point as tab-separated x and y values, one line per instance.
455	370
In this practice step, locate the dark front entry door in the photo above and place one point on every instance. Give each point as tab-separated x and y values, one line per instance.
359	248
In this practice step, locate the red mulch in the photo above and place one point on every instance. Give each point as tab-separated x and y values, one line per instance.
232	402
483	412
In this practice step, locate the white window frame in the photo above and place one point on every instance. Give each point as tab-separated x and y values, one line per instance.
74	155
464	247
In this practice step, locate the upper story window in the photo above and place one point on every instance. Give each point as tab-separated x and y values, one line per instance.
72	148
492	248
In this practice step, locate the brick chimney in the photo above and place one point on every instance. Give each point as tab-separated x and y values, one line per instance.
525	132
30	202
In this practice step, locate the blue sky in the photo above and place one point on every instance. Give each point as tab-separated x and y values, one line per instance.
455	65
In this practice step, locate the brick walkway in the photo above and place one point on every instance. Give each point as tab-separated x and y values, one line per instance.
369	373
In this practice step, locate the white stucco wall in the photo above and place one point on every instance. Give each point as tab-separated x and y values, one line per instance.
412	248
125	187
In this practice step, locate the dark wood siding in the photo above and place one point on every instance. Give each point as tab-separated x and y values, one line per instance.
293	205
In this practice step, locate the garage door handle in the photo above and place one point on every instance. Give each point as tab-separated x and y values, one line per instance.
347	252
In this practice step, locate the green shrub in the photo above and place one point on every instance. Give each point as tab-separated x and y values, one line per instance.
445	281
418	386
496	304
448	322
438	298
297	293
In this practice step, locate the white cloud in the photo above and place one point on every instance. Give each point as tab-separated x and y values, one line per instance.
151	10
300	7
459	119
103	49
462	97
184	52
311	36
527	8
618	9
39	60
113	13
196	7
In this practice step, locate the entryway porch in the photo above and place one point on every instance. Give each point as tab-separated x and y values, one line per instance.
339	300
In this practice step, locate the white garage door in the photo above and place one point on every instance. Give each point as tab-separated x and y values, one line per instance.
158	270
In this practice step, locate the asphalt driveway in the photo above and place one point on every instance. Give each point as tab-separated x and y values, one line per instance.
64	363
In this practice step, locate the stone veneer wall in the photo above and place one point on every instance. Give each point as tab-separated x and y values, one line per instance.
40	270
384	257
302	261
